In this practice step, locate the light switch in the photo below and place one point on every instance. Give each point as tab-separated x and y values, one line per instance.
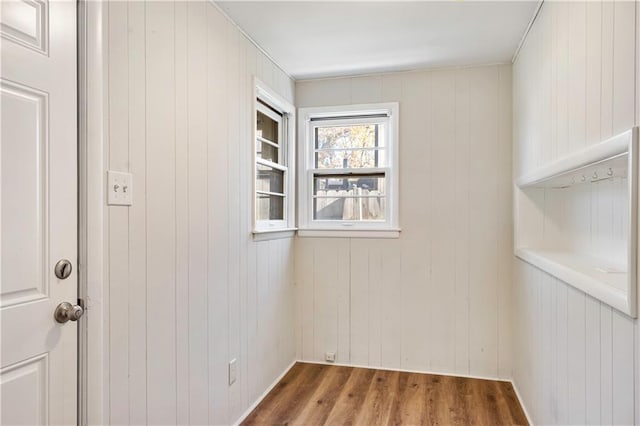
119	188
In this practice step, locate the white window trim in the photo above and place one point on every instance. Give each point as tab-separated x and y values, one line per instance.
313	228
264	229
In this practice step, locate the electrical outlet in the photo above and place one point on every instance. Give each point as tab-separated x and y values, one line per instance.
330	357
233	371
119	188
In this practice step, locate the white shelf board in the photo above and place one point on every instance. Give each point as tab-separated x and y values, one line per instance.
611	153
583	272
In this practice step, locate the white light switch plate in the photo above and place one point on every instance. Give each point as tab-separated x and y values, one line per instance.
119	188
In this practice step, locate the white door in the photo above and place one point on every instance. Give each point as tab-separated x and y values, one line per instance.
38	210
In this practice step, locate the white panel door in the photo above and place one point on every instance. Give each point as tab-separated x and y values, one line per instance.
38	210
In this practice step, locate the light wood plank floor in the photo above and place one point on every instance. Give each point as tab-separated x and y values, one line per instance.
312	394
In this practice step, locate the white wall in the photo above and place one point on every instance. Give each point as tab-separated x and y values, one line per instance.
574	85
187	288
438	298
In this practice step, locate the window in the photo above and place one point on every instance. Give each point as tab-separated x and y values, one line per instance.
349	160
273	158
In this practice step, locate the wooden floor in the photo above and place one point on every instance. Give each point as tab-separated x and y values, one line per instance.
312	394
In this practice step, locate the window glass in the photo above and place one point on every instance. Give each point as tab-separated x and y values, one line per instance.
355	146
354	136
266	151
267	128
349	198
269	179
269	207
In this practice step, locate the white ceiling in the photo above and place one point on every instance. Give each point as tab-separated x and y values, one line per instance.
314	39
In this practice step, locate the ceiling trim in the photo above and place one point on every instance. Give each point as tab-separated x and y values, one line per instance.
536	12
412	70
251	40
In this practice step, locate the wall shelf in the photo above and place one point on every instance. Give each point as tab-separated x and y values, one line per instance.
592	275
576	219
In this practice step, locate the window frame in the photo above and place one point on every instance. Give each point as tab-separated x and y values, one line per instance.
263	94
310	119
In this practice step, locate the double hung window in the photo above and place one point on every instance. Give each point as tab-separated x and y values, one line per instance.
349	178
273	154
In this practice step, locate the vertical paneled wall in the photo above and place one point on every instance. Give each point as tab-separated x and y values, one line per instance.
438	298
574	85
188	290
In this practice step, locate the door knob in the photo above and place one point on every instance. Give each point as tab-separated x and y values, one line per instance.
63	269
68	312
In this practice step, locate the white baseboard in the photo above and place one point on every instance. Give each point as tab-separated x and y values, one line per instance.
264	394
405	370
524	407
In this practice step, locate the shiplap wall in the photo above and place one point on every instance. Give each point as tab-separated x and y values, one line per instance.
188	289
575	358
438	298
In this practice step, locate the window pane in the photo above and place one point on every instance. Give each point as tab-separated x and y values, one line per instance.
364	185
269	179
341	207
355	136
266	151
354	159
359	198
267	128
269	207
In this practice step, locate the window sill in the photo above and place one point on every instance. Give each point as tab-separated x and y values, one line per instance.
350	233
273	234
